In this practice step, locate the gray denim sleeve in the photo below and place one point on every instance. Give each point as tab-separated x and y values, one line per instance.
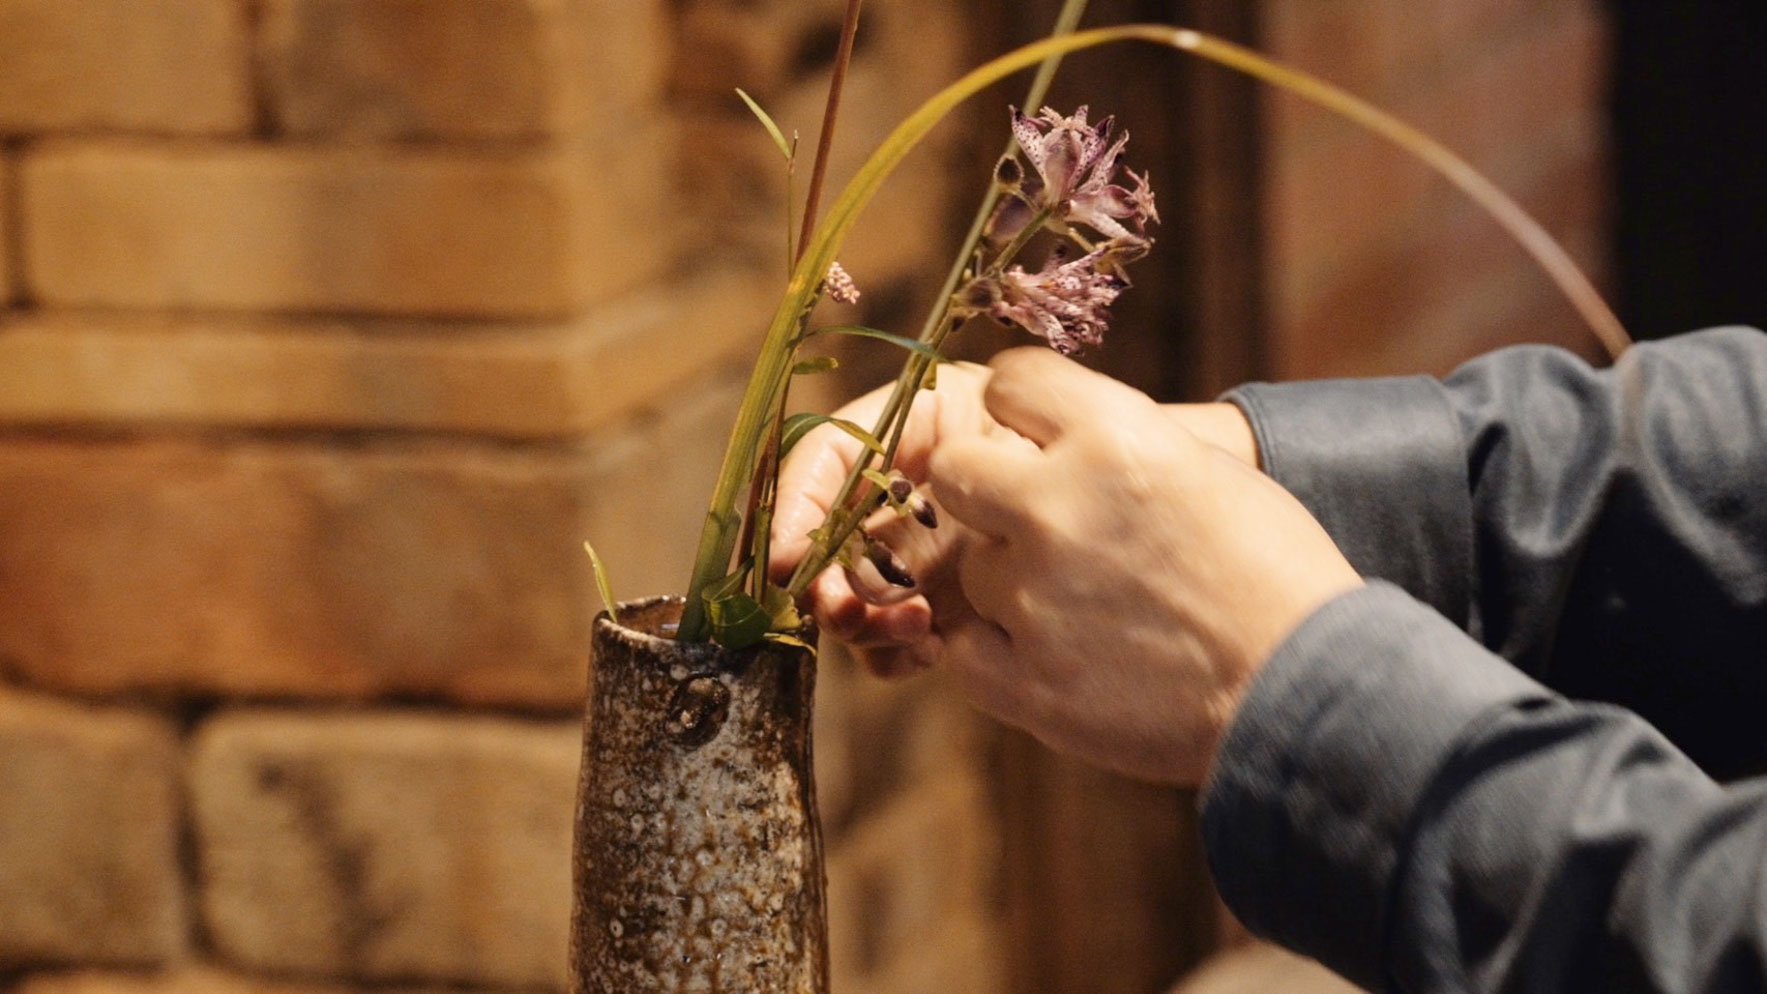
1402	804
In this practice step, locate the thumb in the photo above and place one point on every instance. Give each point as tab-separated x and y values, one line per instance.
1042	396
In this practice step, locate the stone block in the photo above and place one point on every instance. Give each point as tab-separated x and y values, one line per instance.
393	846
402	69
167	67
438	570
545	381
89	815
409	232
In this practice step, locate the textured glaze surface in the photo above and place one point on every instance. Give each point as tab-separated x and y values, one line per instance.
698	862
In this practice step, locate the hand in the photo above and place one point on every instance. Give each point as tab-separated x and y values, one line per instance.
893	639
899	637
1125	581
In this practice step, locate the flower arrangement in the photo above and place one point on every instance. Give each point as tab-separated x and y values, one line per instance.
1059	177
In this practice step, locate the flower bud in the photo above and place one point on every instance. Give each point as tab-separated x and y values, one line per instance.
1009	173
923	510
839	285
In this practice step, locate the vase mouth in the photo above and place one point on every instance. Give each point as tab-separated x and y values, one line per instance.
647	625
648	617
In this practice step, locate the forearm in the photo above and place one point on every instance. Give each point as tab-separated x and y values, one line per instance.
1408	808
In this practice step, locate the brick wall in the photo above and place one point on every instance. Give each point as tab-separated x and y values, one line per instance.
328	330
1373	264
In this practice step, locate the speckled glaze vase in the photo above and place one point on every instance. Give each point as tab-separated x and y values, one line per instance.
698	863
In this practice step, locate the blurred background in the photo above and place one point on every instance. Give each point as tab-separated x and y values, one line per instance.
330	328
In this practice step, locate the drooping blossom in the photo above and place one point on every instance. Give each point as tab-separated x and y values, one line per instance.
1066	302
839	285
1073	178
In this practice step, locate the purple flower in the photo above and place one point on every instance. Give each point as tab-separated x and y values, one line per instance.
1067	301
1074	165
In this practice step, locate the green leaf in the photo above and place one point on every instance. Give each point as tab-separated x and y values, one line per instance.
820	364
738	621
781	610
780	638
860	331
799	425
603	584
729	584
785	147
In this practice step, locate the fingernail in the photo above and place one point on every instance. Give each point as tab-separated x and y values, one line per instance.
889	565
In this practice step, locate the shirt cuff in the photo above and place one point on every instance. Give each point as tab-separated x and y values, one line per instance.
1381	463
1307	815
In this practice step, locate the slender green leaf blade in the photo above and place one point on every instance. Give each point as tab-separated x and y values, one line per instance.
799	425
785	147
780	638
738	620
860	331
603	584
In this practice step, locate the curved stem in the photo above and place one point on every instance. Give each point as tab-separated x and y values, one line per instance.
1551	257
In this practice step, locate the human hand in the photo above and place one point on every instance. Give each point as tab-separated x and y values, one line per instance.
893	636
1125	581
890	635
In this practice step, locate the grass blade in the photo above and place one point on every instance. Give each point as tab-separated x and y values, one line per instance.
766	120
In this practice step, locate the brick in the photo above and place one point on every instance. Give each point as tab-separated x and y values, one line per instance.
181	980
738	192
558	381
387	846
194	978
616	63
171	67
400	69
89	835
439	570
8	230
398	232
1260	966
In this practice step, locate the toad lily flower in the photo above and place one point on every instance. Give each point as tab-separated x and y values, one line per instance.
1066	302
1074	165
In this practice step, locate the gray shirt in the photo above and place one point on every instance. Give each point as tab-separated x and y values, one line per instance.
1500	766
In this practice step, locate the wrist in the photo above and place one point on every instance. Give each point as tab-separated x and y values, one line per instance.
1221	425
